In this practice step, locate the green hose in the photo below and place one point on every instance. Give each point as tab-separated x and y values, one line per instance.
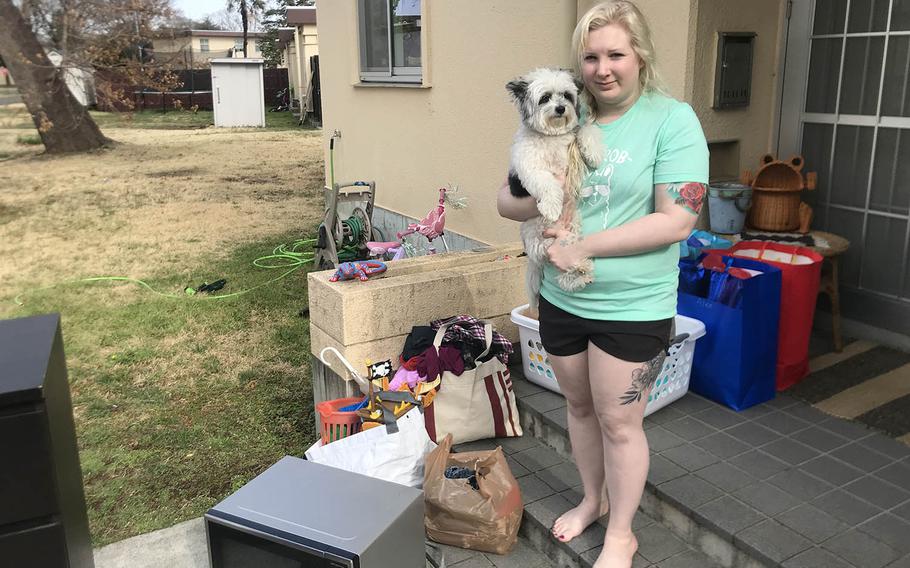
283	256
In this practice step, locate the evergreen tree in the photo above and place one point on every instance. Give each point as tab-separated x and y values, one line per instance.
273	19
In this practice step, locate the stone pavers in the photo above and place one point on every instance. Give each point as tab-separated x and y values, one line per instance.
550	485
785	484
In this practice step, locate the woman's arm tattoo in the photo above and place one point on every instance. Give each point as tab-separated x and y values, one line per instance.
643	379
690	194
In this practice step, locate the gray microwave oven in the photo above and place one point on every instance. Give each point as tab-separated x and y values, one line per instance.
300	514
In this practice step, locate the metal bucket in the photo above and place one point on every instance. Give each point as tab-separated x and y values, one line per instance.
727	206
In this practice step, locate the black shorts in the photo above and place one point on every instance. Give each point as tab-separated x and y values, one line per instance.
564	334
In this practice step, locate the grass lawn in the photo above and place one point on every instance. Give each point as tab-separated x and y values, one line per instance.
15	116
177	401
174	119
181	401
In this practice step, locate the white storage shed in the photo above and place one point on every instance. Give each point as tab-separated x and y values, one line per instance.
237	94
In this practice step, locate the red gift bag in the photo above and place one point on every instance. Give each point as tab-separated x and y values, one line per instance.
800	275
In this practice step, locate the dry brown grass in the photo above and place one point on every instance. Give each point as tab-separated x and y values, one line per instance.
155	202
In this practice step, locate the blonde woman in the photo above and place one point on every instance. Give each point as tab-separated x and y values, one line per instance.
607	342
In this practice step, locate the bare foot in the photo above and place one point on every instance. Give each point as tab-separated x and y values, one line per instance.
617	551
574	521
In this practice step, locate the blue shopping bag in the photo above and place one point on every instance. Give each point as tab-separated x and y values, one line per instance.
736	361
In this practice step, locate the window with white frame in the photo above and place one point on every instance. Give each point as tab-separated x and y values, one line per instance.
203	44
390	36
238	44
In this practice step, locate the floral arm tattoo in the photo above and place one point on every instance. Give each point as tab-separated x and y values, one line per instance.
688	194
643	378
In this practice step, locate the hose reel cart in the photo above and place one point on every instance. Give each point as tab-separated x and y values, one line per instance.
347	224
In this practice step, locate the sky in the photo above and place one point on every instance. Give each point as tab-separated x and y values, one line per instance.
196	9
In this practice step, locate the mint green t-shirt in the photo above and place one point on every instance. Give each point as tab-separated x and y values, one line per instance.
658	140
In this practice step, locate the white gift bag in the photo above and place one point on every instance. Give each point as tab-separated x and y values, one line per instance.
397	457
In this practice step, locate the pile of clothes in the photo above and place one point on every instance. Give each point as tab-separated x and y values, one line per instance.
463	342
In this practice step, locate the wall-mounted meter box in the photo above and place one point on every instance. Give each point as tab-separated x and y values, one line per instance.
733	78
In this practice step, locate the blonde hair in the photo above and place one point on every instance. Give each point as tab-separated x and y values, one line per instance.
625	14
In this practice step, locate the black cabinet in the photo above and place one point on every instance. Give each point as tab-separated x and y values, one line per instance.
43	521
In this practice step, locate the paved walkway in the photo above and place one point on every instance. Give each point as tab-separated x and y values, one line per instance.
180	546
866	382
184	546
786	483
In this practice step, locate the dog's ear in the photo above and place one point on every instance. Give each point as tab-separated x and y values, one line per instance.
518	88
579	84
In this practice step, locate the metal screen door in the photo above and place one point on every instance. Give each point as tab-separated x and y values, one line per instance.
846	109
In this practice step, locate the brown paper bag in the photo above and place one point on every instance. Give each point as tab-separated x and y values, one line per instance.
457	514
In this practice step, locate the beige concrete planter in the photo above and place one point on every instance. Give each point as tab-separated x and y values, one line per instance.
370	320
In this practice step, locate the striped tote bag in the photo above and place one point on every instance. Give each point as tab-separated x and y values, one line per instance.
475	405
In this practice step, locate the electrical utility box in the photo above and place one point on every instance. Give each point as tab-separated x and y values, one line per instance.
237	92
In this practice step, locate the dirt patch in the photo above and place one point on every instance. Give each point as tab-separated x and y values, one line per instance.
185	172
157	199
251	180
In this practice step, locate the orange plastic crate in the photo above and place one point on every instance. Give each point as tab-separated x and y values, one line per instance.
336	424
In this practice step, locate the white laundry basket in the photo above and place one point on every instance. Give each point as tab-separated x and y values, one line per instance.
671	385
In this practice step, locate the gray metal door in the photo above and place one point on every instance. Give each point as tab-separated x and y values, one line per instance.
846	109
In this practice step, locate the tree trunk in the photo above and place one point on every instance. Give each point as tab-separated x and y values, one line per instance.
63	124
243	20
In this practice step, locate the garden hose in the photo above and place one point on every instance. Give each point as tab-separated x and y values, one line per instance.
352	239
283	256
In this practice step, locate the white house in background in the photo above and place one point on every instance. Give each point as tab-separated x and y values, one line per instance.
298	42
194	49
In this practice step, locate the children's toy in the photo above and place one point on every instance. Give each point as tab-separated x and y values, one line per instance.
404	377
432	227
363	383
362	270
337	423
380	370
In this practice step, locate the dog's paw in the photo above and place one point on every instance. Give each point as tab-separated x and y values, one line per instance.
590	146
577	277
550	208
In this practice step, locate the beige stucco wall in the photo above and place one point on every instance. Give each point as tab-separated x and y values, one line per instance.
457	127
413	140
671	30
739	136
309	41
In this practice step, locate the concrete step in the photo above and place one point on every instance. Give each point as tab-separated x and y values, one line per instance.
779	484
550	486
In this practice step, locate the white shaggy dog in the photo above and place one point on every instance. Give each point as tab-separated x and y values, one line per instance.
549	142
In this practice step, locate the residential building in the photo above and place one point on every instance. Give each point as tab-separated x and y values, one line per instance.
299	42
193	49
417	90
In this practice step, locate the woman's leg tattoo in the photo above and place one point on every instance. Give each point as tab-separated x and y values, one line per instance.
643	379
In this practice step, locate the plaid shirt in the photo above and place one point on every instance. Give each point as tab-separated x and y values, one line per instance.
470	331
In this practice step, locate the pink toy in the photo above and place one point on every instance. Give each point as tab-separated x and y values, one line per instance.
361	270
403	376
432	227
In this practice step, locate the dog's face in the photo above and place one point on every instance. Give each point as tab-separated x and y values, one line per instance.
548	100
